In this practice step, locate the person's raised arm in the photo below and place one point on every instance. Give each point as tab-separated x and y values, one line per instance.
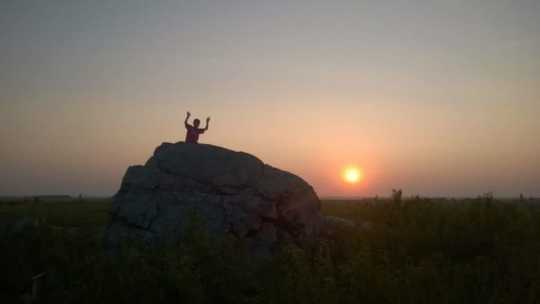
186	120
207	122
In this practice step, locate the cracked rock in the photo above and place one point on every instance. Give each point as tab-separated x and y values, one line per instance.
232	192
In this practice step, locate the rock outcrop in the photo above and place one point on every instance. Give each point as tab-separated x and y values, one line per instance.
232	192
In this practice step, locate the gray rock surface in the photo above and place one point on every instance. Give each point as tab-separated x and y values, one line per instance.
332	226
232	192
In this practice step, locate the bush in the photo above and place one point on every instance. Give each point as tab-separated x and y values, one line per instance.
418	251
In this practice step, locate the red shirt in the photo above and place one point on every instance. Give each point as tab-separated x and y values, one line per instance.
192	135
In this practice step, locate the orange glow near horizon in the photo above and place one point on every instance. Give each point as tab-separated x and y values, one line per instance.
352	174
276	92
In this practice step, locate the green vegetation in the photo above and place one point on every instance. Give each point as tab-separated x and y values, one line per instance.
414	251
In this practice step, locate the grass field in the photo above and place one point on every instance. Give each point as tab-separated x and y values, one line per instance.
418	251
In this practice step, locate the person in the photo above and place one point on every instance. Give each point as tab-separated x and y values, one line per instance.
192	134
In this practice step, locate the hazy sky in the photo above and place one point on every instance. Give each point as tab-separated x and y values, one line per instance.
436	97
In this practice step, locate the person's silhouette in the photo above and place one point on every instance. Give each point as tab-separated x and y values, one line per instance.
192	134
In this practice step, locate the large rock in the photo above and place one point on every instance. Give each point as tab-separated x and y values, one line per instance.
232	192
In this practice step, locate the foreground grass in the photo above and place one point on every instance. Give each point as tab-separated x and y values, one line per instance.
419	251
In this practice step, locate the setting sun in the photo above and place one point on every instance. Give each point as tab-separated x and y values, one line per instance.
352	175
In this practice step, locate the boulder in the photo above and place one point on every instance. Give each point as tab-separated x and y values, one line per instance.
234	193
332	225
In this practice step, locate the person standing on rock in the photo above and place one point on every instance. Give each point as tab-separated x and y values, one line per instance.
192	134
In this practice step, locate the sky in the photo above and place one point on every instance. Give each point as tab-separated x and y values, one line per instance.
439	98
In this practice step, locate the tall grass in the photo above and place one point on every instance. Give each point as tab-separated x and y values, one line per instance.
417	251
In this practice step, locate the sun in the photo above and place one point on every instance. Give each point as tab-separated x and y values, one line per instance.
352	174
